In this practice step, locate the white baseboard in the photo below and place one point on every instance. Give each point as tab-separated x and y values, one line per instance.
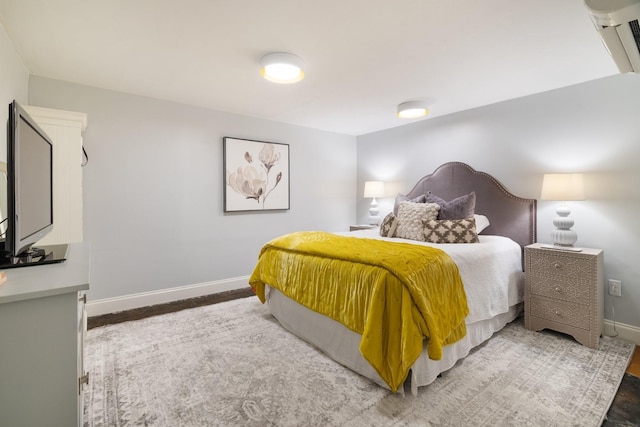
625	332
128	302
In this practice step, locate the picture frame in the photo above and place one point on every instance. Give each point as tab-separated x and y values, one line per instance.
256	175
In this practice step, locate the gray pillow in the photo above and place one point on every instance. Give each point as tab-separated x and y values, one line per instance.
402	198
460	208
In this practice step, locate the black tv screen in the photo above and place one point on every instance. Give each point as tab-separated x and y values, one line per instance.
29	182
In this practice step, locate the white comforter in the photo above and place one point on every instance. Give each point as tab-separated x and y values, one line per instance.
491	271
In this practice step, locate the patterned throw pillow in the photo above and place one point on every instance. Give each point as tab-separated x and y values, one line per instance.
459	208
450	231
389	225
402	198
410	217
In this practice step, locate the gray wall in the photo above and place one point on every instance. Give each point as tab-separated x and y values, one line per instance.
153	201
592	128
14	84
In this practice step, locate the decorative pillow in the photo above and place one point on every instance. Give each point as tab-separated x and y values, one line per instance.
389	225
450	231
410	218
402	198
459	208
482	222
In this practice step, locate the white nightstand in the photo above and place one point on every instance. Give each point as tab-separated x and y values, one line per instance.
564	292
362	227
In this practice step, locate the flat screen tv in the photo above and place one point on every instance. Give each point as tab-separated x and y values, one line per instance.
29	189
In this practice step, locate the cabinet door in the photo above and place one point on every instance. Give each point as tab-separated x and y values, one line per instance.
82	329
38	382
65	129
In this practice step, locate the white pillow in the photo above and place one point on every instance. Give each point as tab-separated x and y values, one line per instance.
410	217
482	222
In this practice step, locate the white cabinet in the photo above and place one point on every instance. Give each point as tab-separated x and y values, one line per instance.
41	331
65	128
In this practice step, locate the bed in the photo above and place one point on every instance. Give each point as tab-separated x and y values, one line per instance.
490	271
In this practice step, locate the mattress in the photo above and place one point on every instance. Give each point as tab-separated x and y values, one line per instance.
491	271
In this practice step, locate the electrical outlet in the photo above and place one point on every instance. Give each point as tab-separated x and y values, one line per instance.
615	288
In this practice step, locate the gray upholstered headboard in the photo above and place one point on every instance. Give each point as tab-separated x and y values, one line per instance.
509	215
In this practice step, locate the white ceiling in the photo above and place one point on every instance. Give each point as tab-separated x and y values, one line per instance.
362	57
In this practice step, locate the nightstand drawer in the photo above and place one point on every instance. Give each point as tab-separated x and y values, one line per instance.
561	267
563	290
567	313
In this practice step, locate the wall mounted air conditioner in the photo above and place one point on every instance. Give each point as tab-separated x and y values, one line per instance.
617	24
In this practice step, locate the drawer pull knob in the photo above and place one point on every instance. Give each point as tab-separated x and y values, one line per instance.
557	265
557	289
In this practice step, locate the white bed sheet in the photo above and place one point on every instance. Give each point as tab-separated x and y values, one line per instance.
492	275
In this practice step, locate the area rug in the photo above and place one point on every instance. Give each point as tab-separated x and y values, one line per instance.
232	364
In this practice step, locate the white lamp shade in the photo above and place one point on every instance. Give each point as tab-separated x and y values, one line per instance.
373	189
281	67
562	186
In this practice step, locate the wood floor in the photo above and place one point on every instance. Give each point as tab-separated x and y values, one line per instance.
624	411
155	310
634	366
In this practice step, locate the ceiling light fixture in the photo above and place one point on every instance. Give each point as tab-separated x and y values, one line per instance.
412	109
281	67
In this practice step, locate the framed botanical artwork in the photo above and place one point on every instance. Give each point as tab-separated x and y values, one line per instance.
256	175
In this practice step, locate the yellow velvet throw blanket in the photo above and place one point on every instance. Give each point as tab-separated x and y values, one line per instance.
393	294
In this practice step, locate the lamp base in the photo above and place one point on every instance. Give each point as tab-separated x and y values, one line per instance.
563	235
374	219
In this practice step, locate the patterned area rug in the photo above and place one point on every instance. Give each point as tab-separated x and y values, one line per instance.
231	364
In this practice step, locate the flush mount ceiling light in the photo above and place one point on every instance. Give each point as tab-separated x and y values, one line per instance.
412	109
280	67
